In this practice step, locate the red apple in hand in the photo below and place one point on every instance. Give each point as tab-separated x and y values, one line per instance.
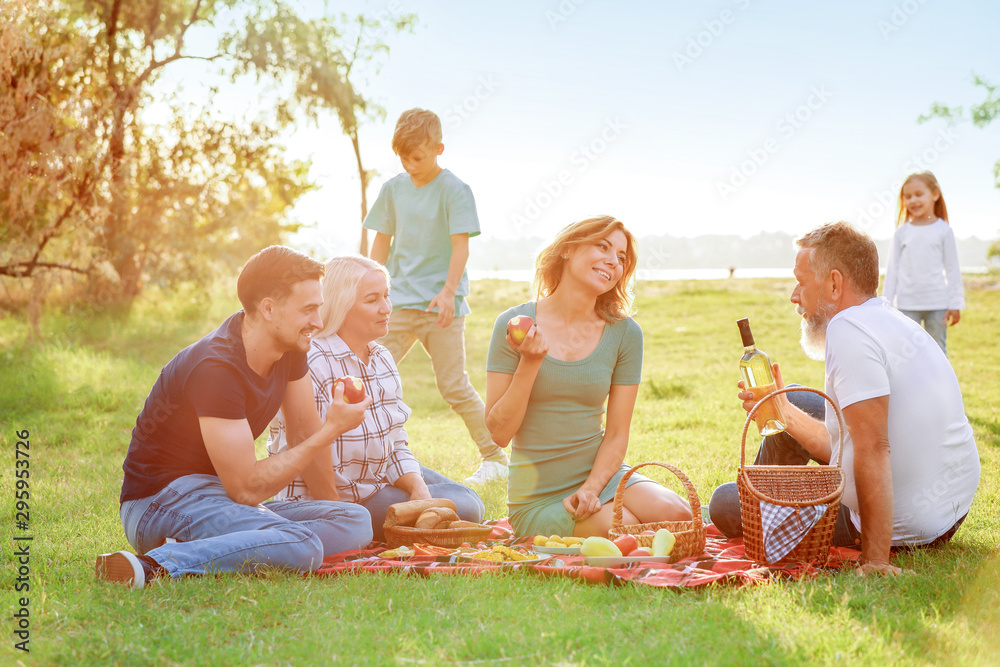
518	328
354	389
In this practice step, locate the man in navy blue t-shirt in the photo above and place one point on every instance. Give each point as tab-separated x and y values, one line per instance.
194	497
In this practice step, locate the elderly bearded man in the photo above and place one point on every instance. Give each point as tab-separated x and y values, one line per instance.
910	460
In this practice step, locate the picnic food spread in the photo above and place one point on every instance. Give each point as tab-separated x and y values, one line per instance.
556	541
496	553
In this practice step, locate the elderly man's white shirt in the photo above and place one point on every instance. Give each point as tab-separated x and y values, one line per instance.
873	350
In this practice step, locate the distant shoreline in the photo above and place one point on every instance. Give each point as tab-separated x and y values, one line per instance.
527	275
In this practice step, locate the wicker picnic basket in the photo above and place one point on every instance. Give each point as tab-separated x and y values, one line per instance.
790	486
397	536
690	535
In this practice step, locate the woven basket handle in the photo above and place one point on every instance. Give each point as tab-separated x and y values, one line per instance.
616	519
785	390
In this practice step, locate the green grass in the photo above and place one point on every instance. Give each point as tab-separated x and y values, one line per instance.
80	392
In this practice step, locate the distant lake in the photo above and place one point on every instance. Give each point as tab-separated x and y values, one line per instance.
527	275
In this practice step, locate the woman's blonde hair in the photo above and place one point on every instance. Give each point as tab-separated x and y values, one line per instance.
940	210
340	289
615	304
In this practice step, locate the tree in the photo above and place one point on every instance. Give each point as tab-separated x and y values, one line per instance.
981	115
317	86
48	145
92	186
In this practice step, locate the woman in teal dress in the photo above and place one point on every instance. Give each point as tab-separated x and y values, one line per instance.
547	394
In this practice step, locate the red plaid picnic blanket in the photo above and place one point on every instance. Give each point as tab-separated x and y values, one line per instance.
723	561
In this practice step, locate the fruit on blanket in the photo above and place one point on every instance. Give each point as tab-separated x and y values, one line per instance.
556	541
663	543
354	389
518	328
641	552
627	543
595	546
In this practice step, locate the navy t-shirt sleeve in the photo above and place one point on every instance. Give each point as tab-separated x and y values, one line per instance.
299	366
216	390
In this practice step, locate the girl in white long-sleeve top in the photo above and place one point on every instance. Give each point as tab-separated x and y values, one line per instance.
922	278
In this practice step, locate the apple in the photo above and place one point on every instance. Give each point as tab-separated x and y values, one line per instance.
627	543
641	552
354	389
518	328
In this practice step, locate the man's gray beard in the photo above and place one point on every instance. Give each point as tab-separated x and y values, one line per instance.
813	338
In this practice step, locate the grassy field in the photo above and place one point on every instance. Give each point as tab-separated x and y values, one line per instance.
79	393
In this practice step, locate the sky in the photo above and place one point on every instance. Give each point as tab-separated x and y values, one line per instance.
681	118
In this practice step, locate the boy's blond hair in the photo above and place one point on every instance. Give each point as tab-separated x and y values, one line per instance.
415	128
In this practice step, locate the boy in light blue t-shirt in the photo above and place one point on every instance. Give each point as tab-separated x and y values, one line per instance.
422	221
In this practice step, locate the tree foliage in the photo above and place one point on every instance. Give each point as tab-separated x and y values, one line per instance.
92	185
320	84
981	115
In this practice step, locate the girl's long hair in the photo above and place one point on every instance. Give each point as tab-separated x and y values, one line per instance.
617	303
940	210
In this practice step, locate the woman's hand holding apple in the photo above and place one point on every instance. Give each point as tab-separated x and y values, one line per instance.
533	346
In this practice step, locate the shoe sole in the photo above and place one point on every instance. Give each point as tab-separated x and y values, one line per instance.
120	568
469	481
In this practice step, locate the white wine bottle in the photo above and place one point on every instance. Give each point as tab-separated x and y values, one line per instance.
755	366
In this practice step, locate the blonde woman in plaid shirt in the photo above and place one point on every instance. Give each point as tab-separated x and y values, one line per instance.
372	464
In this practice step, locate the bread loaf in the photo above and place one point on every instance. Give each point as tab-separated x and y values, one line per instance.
405	514
466	524
436	518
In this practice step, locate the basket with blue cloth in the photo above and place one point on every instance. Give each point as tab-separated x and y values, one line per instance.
789	511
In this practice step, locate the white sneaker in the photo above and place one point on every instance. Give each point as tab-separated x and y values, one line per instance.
489	471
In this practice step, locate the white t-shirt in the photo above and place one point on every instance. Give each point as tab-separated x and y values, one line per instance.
873	350
922	272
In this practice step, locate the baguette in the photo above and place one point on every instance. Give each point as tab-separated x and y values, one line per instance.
405	514
466	524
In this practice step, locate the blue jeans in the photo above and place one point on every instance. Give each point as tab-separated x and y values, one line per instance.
470	506
933	323
217	534
780	449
